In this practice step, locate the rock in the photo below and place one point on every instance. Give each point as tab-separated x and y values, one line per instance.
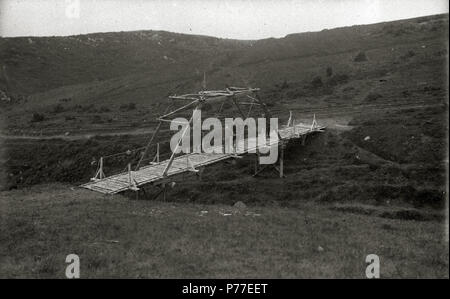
240	205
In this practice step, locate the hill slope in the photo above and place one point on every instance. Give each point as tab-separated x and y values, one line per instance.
96	74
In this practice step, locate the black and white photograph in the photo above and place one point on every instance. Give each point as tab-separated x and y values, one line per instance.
224	146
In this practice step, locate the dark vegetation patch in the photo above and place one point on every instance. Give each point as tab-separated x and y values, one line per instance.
417	135
373	97
360	57
32	162
354	210
128	107
413	215
395	213
37	117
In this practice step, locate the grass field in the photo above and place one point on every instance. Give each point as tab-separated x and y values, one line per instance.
118	237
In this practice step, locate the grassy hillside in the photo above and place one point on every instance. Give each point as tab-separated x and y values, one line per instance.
34	64
80	83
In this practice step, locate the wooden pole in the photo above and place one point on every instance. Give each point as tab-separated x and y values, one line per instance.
149	144
102	174
281	160
169	164
157	152
164	192
256	161
238	107
129	175
179	109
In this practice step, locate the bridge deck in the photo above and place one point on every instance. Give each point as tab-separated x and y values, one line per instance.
184	163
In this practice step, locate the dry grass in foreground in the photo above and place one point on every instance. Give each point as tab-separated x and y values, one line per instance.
118	237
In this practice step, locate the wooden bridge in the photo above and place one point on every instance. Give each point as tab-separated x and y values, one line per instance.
161	172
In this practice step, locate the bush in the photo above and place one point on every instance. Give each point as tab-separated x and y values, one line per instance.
97	119
58	109
87	108
104	109
373	96
348	88
284	85
409	54
329	71
37	117
360	57
69	117
317	82
128	107
338	79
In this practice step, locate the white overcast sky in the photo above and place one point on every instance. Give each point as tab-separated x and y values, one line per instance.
250	19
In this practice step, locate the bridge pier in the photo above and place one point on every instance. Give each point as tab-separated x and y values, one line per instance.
279	169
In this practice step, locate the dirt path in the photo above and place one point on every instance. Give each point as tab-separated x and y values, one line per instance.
140	131
332	117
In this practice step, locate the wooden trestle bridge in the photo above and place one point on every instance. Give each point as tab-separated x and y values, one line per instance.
159	173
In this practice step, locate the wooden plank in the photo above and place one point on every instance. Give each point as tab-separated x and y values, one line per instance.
152	173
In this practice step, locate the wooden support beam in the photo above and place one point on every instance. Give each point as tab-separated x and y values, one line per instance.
131	183
164	192
195	102
169	164
157	152
261	170
99	174
290	119
187	98
282	161
238	107
148	145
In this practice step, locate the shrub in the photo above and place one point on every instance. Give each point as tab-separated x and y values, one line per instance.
348	88
130	106
360	57
373	96
69	117
37	117
58	109
338	79
87	108
409	54
103	109
317	82
97	119
329	71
